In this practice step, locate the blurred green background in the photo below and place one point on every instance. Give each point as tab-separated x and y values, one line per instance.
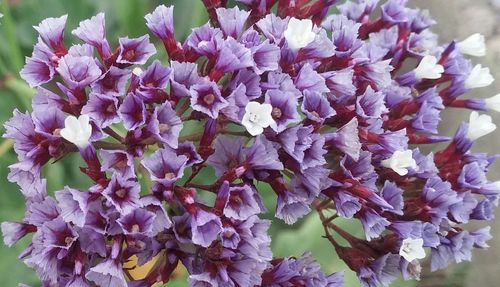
123	17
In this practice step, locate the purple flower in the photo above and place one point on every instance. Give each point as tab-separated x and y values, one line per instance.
238	100
439	197
79	50
309	79
340	83
78	72
165	166
48	121
188	150
483	211
346	204
273	27
228	154
74	205
102	109
251	38
456	247
376	74
40	67
346	139
205	227
93	32
394	196
232	21
161	22
320	47
184	75
132	111
262	155
92	242
26	174
370	104
381	272
13	231
316	107
344	34
155	77
233	56
113	81
161	219
266	57
107	273
472	176
52	242
21	128
205	40
135	51
250	80
241	202
284	110
373	223
165	125
43	211
137	222
52	32
303	270
123	194
350	103
118	161
290	207
462	210
230	238
206	98
394	12
304	146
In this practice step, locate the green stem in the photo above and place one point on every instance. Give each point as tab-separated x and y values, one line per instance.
16	57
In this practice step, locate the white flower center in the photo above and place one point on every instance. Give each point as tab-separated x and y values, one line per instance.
412	249
257	117
479	125
474	45
77	130
479	77
428	68
254	117
299	33
400	161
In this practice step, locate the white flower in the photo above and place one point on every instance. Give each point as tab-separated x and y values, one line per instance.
493	103
77	130
474	46
137	71
479	77
257	117
400	161
412	249
428	68
299	33
479	125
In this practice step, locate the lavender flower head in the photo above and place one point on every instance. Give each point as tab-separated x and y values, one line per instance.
279	95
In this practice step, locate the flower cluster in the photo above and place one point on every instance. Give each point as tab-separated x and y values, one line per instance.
329	111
